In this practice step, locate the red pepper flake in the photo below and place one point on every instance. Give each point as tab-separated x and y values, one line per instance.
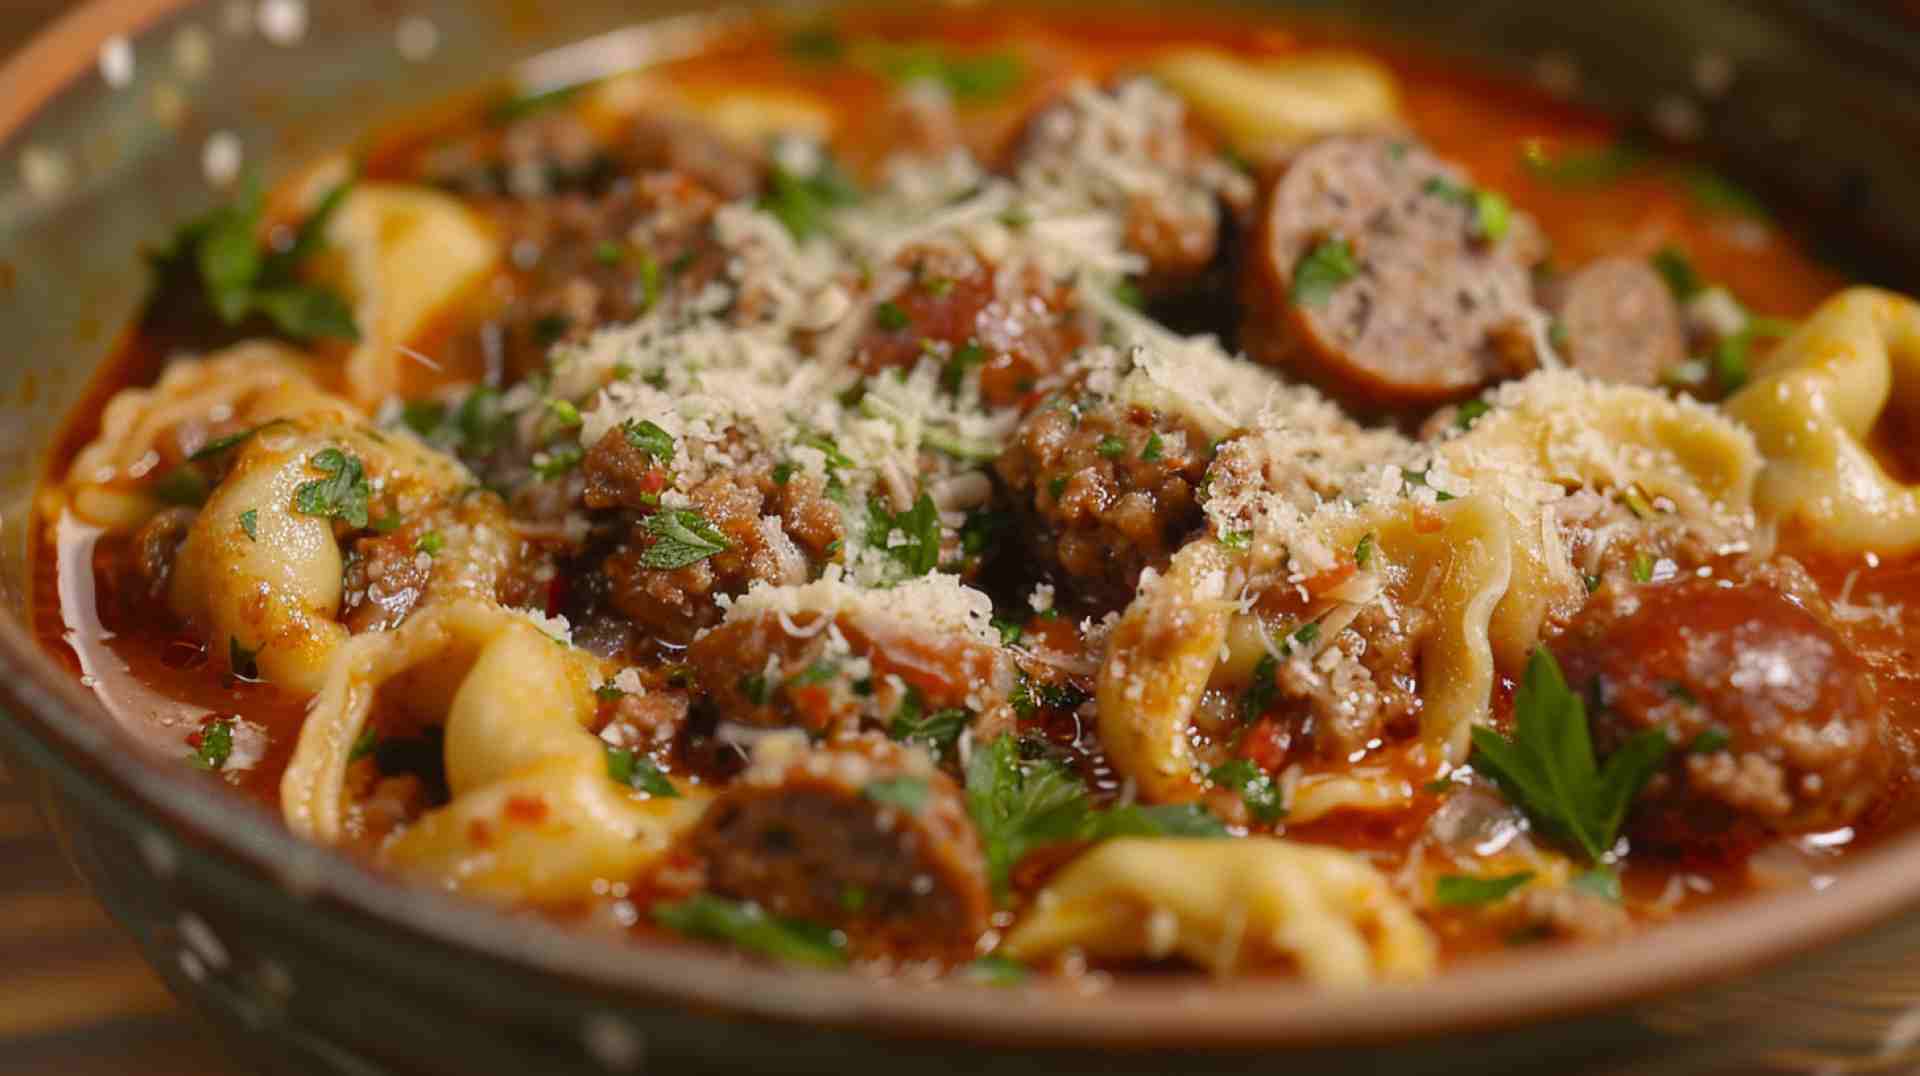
1267	745
526	810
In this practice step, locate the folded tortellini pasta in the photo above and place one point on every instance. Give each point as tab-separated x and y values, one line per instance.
1231	906
259	574
1814	407
1271	105
535	815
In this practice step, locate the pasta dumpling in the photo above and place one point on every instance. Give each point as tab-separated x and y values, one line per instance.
1231	906
1813	408
1272	105
535	815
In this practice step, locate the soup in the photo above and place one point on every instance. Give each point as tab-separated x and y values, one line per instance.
1004	495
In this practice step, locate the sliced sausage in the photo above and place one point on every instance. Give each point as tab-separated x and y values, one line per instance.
1618	321
1133	148
1431	309
1104	491
862	834
790	671
1774	718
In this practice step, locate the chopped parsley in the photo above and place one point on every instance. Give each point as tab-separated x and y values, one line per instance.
1112	447
250	524
1677	270
995	970
1548	766
648	439
820	44
520	106
1237	540
802	203
1492	213
1019	806
964	359
563	412
891	317
184	486
681	537
219	255
1470	413
1261	692
748	927
1459	891
938	731
557	461
1732	358
1710	741
341	495
220	446
969	77
609	692
1363	552
639	772
1642	567
1604	164
430	543
917	550
1717	194
1256	787
1602	882
366	745
1322	271
907	793
216	746
1155	449
1419	479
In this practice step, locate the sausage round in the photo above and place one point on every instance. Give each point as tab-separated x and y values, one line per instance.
1433	307
862	833
1774	718
1619	321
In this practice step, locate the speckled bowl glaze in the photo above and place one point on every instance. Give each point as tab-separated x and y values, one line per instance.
127	116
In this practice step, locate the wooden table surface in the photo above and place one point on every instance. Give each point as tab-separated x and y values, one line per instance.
75	997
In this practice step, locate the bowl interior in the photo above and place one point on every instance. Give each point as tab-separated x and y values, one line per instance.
98	163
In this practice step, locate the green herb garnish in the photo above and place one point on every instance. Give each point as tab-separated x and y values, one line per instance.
639	772
681	537
341	495
216	746
907	793
748	927
1322	271
1548	767
1256	787
1459	891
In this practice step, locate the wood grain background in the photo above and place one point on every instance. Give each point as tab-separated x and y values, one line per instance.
75	997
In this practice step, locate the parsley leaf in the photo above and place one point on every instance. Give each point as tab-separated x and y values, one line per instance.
652	441
216	746
219	254
1322	271
918	548
1459	891
907	793
747	926
1602	882
219	446
937	731
1548	767
968	77
1470	412
995	970
1019	806
637	771
681	537
891	317
802	203
341	495
1256	787
1677	270
250	524
1261	692
1594	166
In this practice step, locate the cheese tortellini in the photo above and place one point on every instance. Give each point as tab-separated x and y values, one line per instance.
534	815
1231	906
258	574
1813	409
1273	105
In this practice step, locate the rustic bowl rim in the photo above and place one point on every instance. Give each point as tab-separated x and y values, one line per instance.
1502	991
